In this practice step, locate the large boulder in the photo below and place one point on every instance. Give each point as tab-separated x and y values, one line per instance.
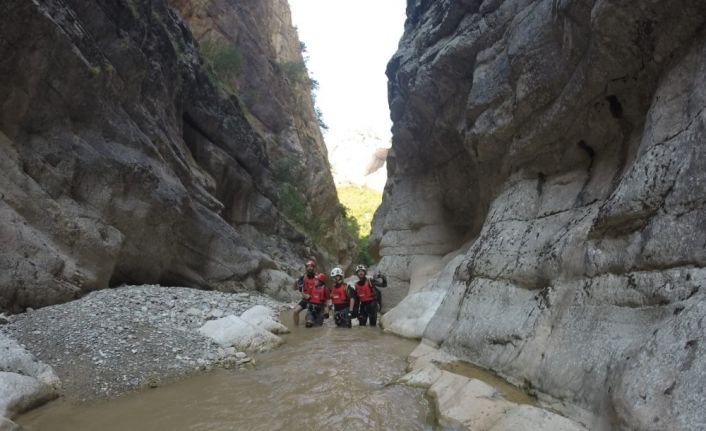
429	280
25	382
16	359
20	393
265	318
232	331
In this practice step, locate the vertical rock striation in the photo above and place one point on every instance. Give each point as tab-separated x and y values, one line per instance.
122	159
274	87
559	147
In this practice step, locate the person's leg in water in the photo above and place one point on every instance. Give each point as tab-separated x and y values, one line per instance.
298	309
342	316
363	313
320	315
295	315
373	313
310	318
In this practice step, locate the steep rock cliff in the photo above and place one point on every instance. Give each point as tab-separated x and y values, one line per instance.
547	182
275	89
124	160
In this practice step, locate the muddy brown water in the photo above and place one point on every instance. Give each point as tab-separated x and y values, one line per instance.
321	378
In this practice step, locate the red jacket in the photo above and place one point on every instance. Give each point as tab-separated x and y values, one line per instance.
318	295
339	294
365	291
307	283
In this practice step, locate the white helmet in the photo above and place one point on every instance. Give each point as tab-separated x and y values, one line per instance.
336	271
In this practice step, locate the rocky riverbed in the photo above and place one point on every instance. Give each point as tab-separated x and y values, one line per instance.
118	340
114	341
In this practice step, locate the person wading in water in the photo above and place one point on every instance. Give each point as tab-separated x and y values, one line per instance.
342	298
317	297
367	298
303	285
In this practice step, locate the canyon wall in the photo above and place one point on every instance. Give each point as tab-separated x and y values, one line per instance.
545	195
126	158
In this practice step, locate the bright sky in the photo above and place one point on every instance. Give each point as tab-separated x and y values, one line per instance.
349	44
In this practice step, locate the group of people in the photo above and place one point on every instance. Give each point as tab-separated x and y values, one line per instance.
363	300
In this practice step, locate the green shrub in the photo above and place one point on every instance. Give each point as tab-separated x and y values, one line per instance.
284	169
295	208
224	59
320	118
294	71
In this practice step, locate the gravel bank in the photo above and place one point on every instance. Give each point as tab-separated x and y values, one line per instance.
117	340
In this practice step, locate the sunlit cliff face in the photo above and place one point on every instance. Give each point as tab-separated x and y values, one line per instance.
545	167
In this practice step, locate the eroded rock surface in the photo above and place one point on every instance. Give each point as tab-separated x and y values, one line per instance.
563	141
123	159
472	404
25	382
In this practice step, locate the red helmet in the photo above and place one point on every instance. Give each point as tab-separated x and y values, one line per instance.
321	277
310	262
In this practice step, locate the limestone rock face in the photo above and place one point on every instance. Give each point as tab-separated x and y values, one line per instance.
564	141
274	86
123	160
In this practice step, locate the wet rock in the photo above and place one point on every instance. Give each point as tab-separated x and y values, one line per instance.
15	359
265	318
236	332
470	404
8	425
422	377
425	354
20	393
411	316
467	403
533	418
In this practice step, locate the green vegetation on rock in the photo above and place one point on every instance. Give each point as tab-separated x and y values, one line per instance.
224	59
360	204
297	211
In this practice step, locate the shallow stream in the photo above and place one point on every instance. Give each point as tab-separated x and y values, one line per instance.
321	378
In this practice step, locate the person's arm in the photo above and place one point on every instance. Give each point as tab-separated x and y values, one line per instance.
380	280
327	299
350	292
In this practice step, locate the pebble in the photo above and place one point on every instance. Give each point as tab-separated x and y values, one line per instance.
122	343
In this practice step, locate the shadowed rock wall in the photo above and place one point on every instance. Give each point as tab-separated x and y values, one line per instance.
559	146
122	161
274	87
